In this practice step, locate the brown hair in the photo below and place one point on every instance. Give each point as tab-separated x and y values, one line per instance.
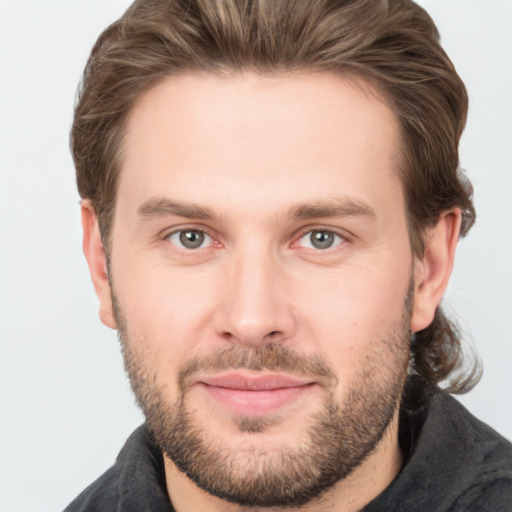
393	44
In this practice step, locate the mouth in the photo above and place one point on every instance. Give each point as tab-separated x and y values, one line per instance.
253	395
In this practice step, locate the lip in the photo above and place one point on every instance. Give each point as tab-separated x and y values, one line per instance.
254	382
254	395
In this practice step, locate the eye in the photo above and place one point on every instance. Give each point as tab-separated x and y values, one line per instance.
320	239
190	239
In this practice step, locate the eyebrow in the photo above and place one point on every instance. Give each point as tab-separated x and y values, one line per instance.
157	207
339	207
163	207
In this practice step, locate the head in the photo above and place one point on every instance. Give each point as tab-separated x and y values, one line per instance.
236	117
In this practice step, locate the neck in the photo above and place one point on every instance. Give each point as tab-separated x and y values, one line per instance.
351	494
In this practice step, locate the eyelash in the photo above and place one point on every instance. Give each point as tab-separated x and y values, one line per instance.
339	239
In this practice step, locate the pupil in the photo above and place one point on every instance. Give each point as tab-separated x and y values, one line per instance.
322	239
191	239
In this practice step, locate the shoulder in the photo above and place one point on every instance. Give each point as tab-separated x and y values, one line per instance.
484	458
491	450
454	462
490	487
101	495
494	494
135	482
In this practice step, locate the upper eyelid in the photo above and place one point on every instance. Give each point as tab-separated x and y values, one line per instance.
167	232
343	233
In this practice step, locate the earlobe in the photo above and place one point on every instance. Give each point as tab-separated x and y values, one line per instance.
433	270
97	261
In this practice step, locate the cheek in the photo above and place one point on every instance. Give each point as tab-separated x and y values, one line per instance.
350	315
167	309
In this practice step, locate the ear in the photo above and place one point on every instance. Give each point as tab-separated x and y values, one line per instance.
97	261
432	271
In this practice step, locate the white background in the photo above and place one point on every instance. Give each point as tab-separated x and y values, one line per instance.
65	403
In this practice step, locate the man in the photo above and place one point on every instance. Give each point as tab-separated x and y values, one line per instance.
271	206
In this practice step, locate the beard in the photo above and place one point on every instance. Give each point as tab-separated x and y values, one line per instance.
337	439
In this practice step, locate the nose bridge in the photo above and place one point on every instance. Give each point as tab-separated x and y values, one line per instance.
255	303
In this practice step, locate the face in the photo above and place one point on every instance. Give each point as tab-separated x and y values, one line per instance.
261	277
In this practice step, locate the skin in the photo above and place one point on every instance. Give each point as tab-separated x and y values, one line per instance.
252	151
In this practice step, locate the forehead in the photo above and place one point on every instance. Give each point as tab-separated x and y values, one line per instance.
264	140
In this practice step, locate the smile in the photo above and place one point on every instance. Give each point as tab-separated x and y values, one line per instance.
249	395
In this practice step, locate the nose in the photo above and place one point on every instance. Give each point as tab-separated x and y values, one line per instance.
255	304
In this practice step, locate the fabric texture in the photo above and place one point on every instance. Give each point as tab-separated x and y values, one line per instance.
454	463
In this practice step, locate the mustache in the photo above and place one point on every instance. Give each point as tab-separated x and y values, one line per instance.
270	357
